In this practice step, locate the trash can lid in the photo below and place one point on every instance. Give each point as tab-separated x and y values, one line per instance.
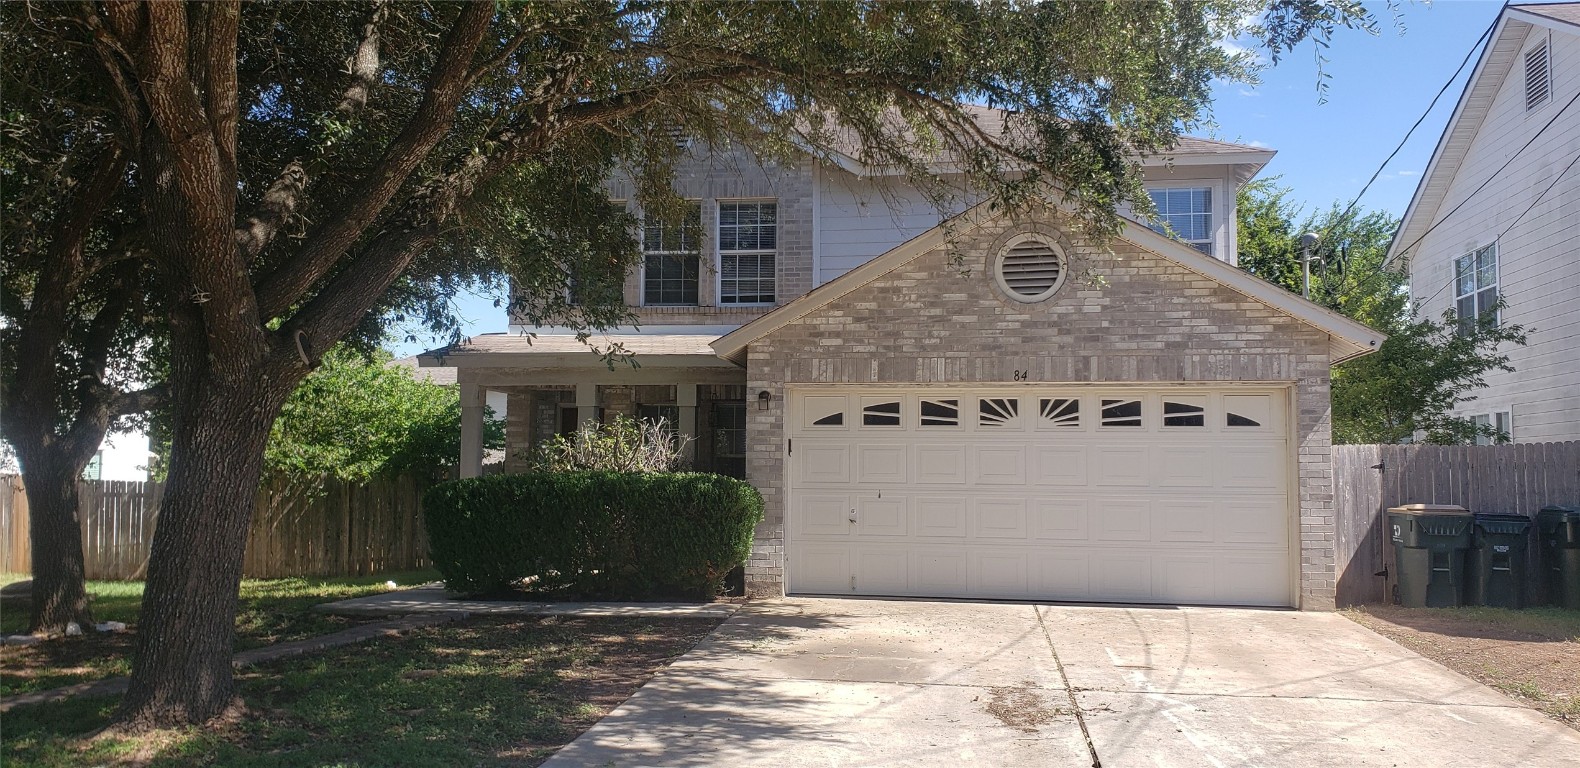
1560	512
1430	509
1497	517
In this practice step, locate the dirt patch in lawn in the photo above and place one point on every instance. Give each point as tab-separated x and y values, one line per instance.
1533	657
486	692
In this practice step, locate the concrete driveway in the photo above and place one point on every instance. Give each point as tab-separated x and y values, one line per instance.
875	683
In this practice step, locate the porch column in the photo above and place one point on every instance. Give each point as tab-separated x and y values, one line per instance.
586	404
472	398
686	404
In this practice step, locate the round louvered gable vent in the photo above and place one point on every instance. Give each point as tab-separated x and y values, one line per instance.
1030	270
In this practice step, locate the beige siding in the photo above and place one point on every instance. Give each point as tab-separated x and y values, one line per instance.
1152	322
1539	258
861	219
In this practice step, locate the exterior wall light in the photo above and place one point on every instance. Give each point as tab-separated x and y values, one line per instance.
763	398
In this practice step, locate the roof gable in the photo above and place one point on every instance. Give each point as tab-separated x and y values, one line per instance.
1497	60
1348	338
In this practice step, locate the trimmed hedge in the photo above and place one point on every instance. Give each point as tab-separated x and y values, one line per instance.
610	535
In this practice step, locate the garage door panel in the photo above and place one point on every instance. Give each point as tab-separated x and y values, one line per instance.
1184	578
1117	576
1252	579
821	569
941	516
1251	467
883	464
1120	465
940	464
1184	466
881	516
1063	575
1000	501
998	464
1186	520
999	518
883	570
823	514
938	571
1003	573
1060	518
1060	465
1256	520
1121	519
824	463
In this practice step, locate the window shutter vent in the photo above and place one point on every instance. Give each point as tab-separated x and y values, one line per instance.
1031	269
1538	76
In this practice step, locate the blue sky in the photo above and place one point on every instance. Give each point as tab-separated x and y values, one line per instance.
1377	87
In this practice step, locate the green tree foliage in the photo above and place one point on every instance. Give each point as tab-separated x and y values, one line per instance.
358	417
1409	388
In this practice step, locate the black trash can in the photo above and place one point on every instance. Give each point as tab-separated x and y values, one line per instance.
1429	543
1558	540
1495	566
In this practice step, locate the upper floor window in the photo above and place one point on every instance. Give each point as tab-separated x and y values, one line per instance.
670	254
1476	287
748	239
1185	213
1538	75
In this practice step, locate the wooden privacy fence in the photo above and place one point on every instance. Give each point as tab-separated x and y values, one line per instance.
1515	479
321	527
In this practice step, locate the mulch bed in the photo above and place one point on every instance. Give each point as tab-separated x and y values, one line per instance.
1539	669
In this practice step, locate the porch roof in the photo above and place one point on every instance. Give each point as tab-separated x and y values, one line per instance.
517	350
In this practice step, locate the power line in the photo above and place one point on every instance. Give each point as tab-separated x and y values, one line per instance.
1517	219
1429	107
1495	174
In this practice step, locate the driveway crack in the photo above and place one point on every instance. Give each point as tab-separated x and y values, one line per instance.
1075	706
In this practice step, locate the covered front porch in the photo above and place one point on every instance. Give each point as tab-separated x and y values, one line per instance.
554	384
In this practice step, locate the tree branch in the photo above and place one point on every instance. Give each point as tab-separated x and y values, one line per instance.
363	65
446	86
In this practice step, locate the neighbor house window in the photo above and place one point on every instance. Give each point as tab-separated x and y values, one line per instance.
670	254
748	238
1476	284
1538	75
1185	213
1500	422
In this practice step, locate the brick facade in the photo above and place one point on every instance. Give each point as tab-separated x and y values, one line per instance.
1124	315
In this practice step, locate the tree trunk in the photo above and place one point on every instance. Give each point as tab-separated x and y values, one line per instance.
182	674
55	535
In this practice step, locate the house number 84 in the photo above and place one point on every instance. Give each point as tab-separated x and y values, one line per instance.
1023	375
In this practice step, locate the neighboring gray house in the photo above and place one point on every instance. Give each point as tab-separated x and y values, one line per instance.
1497	213
1135	421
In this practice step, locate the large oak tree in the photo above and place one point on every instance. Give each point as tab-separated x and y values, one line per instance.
257	181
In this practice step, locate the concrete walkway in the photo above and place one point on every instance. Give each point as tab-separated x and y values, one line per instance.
874	683
431	598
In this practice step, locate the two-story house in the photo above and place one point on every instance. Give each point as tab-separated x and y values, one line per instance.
1497	215
963	403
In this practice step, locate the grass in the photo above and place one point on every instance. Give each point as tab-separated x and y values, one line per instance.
270	611
1532	655
489	692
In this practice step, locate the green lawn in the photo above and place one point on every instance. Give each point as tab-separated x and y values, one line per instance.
271	611
488	692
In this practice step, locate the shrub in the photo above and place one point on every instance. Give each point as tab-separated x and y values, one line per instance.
623	445
607	535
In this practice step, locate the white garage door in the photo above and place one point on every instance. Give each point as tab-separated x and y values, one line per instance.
1178	495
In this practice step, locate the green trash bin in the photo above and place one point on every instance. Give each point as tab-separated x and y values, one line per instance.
1558	534
1429	542
1496	563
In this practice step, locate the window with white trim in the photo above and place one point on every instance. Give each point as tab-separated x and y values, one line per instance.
748	242
1184	213
670	254
1538	75
1476	287
1500	422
